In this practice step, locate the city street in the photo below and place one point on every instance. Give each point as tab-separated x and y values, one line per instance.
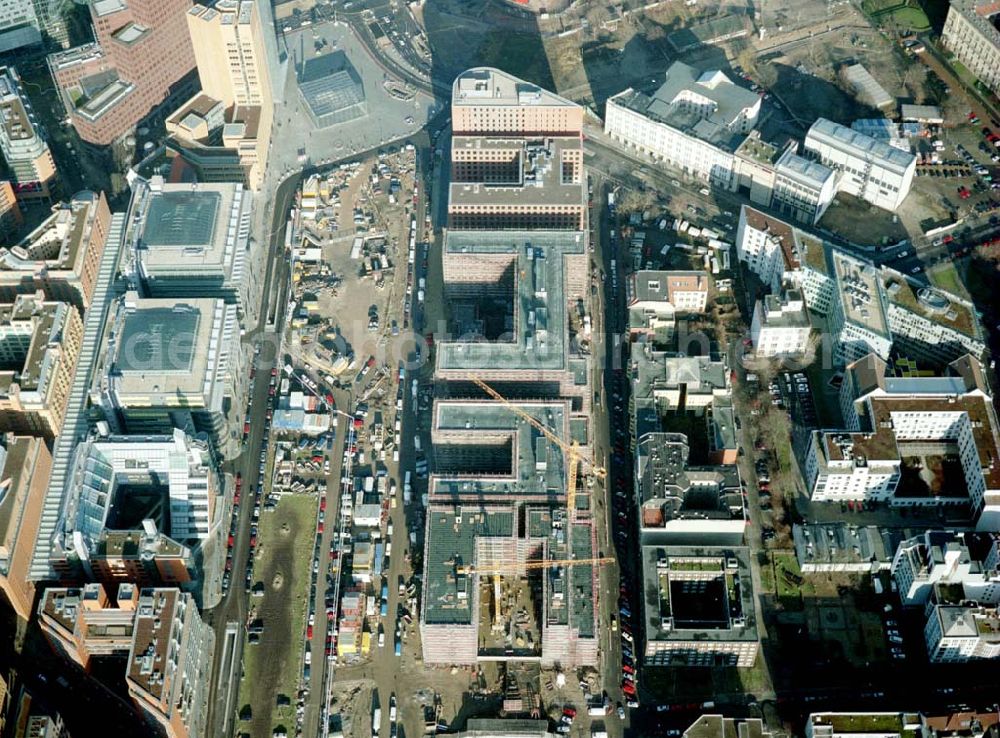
232	610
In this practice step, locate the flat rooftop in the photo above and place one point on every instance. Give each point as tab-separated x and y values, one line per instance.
47	321
781	232
779	314
462	538
14	117
167	352
832	134
844	543
699	593
451	544
55	244
879	723
804	171
540	325
488	86
933	304
883	444
860	291
185	232
15	453
103	101
181	217
537	466
551	174
756	149
661	371
152	654
669	489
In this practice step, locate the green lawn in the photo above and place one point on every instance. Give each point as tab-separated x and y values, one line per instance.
945	276
913	18
786	561
905	14
963	73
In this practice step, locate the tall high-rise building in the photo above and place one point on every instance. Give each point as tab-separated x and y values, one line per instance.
25	463
18	25
230	41
142	58
21	141
10	213
229	50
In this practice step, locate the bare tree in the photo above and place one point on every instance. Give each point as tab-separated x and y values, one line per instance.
913	80
636	201
597	16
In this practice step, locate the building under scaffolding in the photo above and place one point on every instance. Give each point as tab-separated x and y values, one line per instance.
485	601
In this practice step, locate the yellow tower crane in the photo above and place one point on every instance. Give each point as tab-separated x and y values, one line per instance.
533	564
572	450
506	569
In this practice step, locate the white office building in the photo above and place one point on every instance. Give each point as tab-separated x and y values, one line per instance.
654	297
859	321
694	122
912	442
962	632
782	179
803	189
780	325
868	169
966	560
930	324
779	253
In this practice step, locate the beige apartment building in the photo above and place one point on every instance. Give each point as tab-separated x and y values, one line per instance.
10	213
168	646
83	623
488	102
228	43
971	34
61	256
236	92
25	462
39	345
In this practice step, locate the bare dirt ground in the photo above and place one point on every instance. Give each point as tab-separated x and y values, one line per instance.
271	667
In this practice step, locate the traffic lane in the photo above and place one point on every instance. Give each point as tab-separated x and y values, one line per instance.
233	603
613	425
322	629
656	173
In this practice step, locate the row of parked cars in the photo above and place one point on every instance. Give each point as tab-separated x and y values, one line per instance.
624	523
258	494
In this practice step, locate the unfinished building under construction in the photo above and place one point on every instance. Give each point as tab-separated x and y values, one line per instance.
498	586
511	559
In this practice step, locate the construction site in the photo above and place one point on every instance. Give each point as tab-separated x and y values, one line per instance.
511	559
